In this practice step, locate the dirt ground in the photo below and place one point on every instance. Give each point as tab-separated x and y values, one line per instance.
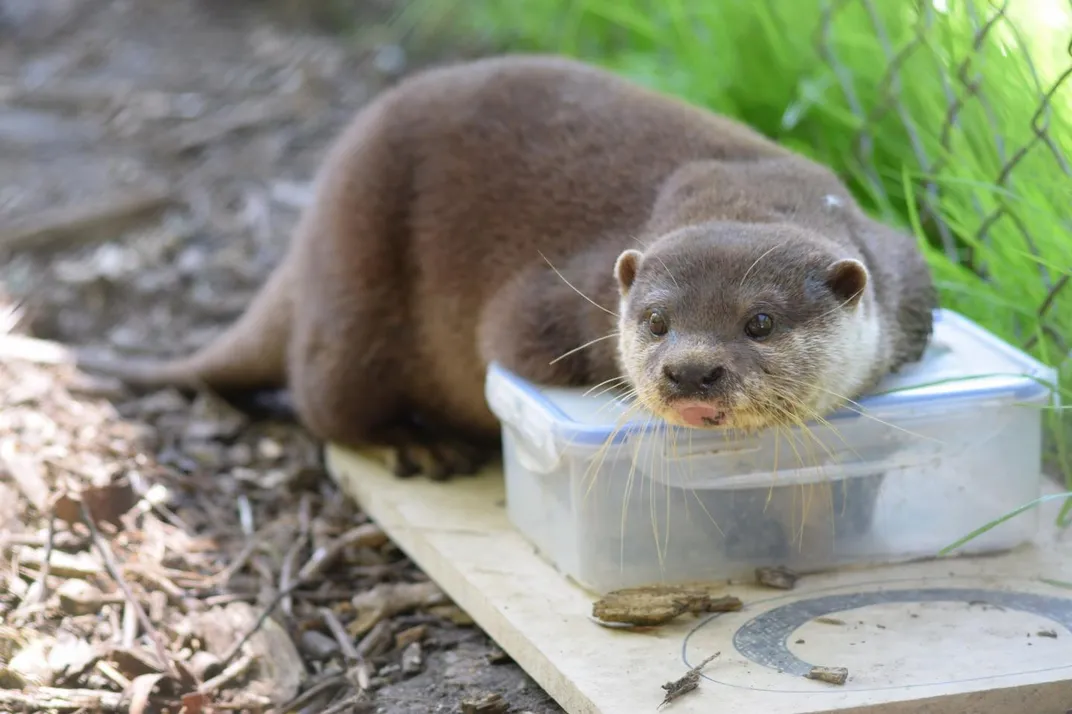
154	155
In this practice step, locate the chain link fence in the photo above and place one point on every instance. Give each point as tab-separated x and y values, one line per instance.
964	86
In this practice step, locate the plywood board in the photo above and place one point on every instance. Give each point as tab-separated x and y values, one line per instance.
946	636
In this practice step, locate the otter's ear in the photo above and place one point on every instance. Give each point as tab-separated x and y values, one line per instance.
626	268
847	279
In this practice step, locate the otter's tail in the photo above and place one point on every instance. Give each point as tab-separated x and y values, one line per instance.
249	355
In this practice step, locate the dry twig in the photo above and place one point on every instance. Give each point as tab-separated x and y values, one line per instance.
685	684
291	559
39	591
57	699
333	681
107	215
830	675
363	535
117	576
346	644
238	668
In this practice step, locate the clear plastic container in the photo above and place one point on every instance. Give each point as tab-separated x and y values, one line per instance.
939	449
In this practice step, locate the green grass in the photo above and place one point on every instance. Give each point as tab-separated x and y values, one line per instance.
814	84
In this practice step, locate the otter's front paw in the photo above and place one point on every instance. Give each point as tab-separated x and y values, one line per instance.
438	460
419	450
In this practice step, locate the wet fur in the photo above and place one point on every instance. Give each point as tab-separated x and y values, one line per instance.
440	211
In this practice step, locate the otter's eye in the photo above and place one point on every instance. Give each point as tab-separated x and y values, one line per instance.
759	326
657	323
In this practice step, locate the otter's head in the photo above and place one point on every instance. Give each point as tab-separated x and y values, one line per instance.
743	325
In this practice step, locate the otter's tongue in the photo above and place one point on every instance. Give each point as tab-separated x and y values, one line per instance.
701	415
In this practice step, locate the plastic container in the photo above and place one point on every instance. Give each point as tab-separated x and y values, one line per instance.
615	502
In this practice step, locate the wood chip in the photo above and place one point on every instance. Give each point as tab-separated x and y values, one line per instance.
487	704
779	577
65	565
78	597
830	675
412	658
27	473
657	605
453	614
406	637
317	645
135	662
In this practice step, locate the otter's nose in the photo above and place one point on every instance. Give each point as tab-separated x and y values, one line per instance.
693	377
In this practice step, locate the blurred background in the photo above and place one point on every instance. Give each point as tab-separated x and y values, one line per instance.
155	155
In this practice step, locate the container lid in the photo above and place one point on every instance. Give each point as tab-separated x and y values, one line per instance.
963	361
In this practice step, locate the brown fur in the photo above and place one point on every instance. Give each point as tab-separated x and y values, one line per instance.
440	210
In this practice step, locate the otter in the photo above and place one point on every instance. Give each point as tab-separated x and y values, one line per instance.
574	227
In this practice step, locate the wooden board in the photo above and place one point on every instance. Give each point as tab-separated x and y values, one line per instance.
945	636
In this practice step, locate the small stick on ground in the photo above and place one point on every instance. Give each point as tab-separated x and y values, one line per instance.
352	705
46	566
830	675
265	614
40	593
346	643
365	535
117	576
299	702
113	674
825	620
291	559
56	699
223	577
130	626
231	673
685	684
82	223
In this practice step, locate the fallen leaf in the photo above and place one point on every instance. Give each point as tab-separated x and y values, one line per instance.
107	503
